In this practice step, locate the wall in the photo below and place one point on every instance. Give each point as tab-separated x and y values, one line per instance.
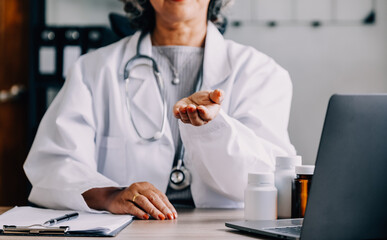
335	58
81	12
342	58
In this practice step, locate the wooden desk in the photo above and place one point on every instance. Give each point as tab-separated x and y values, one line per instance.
191	224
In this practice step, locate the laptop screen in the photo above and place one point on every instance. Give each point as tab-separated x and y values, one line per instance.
349	191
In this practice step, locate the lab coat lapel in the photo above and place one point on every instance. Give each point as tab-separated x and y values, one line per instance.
145	98
216	64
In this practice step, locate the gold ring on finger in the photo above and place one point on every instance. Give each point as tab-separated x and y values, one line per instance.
134	197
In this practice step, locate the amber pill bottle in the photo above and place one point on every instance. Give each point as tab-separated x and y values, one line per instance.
300	190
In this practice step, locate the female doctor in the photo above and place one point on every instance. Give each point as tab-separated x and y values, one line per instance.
127	114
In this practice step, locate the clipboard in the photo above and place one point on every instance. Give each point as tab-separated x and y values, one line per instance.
36	229
12	230
21	221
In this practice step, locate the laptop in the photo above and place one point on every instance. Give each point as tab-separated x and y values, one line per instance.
348	195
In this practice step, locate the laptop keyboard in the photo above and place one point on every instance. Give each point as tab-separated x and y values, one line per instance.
295	230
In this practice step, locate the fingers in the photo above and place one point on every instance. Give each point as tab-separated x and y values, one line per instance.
148	198
208	113
145	203
198	116
183	113
176	108
217	96
193	115
120	205
157	201
180	111
131	208
166	201
199	108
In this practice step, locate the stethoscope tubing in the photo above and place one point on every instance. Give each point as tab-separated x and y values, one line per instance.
160	85
179	154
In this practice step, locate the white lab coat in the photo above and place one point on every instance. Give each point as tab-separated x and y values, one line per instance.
86	138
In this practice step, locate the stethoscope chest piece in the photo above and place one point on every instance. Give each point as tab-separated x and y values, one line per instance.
179	178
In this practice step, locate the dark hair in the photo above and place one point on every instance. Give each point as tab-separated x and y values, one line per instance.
142	15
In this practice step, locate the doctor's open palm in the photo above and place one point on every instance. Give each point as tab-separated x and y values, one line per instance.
199	108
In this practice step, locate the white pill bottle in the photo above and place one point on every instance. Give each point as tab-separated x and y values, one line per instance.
284	174
261	197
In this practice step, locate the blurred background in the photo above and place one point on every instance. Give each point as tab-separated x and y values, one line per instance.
328	47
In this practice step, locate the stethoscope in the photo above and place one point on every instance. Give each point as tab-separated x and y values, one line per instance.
179	177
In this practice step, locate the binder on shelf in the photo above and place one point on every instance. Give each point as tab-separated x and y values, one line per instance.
71	48
28	221
58	48
47	40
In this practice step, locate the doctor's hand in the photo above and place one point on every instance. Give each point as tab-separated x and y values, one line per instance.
139	199
199	108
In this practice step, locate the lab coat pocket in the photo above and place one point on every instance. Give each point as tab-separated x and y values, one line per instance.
112	159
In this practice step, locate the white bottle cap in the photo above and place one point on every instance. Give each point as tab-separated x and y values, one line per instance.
264	178
305	170
288	161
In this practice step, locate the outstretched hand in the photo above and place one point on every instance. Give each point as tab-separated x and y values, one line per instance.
199	108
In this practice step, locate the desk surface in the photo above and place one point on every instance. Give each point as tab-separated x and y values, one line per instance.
191	224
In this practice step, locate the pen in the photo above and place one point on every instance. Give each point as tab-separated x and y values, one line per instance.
63	218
